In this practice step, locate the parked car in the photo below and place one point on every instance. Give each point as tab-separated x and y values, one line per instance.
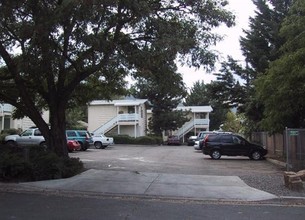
173	140
30	137
73	145
101	141
191	140
220	144
201	136
82	136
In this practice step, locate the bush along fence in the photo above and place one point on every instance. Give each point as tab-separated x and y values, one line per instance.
288	146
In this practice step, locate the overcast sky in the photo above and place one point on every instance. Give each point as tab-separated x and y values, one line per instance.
243	9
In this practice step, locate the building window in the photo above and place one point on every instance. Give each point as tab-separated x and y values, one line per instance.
131	109
201	115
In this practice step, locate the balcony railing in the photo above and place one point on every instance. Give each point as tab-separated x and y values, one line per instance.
127	117
201	121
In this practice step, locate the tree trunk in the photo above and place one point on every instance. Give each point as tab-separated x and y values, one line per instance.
57	136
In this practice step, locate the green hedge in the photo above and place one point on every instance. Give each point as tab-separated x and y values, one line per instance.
144	140
34	163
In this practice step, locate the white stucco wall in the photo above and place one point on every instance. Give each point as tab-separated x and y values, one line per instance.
99	115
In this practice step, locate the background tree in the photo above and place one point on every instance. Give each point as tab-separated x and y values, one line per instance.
282	87
53	51
260	46
233	123
201	94
198	95
164	89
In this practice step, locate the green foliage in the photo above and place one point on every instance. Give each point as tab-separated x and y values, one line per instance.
261	46
75	115
281	88
144	140
227	89
198	95
163	98
217	116
234	123
13	165
163	120
204	94
32	164
47	165
262	42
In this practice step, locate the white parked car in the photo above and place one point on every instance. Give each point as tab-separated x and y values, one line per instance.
100	141
30	137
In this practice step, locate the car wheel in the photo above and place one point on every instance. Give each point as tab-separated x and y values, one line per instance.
256	155
82	146
215	154
11	143
98	145
43	145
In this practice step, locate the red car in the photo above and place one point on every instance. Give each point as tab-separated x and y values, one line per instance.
73	145
173	140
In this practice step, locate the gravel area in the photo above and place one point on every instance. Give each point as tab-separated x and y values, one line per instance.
272	183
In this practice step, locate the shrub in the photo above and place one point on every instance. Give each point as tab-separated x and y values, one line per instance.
13	165
144	140
47	165
35	163
72	167
123	139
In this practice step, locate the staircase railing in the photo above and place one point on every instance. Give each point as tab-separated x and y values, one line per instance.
107	126
188	126
114	122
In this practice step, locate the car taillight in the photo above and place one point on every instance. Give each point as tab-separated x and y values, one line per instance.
205	140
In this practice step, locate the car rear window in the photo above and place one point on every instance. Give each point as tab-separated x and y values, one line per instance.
71	134
82	133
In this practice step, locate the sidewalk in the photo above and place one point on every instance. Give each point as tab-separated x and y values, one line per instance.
199	187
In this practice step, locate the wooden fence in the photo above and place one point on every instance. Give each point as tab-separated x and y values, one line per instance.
288	147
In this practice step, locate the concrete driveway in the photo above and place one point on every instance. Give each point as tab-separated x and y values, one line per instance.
170	159
173	172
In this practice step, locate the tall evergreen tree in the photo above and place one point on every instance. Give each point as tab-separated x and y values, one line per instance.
164	88
261	46
202	94
198	95
282	87
262	41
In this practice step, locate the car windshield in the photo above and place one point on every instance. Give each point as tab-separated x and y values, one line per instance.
26	133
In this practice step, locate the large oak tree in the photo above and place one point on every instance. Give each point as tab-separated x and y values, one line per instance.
53	51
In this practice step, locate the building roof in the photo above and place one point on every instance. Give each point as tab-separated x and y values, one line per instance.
125	102
193	109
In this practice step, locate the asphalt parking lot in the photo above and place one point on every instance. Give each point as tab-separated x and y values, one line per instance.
170	159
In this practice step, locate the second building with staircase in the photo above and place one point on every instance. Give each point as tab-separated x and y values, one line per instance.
130	117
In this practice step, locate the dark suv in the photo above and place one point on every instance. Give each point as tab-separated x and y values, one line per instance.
216	145
202	135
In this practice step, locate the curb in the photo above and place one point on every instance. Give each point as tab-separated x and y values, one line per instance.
276	162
